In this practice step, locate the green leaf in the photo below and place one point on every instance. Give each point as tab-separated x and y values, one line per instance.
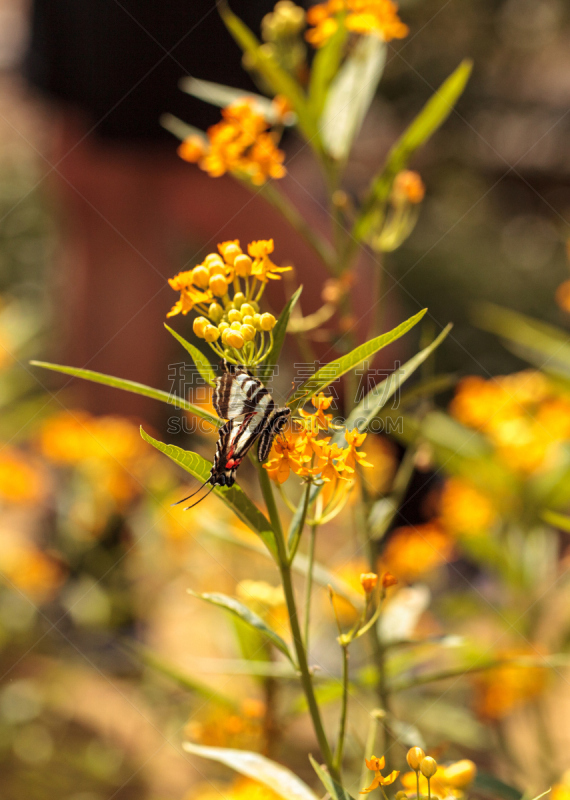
335	369
234	497
279	81
202	364
430	118
277	778
350	95
220	95
247	615
365	412
132	386
543	345
557	520
334	789
182	130
487	784
279	332
324	67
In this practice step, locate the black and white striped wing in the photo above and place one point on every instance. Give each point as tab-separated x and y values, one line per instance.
237	392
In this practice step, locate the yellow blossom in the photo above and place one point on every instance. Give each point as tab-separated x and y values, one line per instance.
241	789
498	691
190	295
239	143
21	481
352	456
286	458
263	268
464	509
447	781
376	765
412	551
365	17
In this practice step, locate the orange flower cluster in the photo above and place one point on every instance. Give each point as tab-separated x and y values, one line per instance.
217	728
21	480
498	691
447	782
525	417
305	454
240	143
365	17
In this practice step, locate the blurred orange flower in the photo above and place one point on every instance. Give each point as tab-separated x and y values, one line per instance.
414	550
21	480
500	690
366	17
464	509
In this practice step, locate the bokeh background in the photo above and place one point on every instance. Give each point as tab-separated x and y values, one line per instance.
98	638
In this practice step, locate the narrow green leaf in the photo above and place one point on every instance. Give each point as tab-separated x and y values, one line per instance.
277	778
246	615
487	784
334	789
182	130
234	497
430	118
365	412
278	80
324	67
557	520
335	369
350	95
279	332
131	386
202	364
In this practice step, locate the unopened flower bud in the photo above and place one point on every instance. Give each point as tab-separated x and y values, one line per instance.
211	333
242	265
247	309
408	186
239	300
428	767
223	326
234	315
248	332
215	312
401	796
368	581
235	339
213	259
247	320
267	322
218	285
257	322
192	149
388	580
236	326
414	757
199	326
231	251
460	774
200	276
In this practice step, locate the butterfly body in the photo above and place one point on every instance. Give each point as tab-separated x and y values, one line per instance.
251	416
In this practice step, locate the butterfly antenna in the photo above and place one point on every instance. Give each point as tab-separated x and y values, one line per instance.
202	498
193	493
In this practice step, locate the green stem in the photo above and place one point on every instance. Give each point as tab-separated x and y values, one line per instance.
287	582
343	711
309	582
375	716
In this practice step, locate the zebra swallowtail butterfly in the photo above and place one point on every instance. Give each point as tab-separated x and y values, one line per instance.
251	415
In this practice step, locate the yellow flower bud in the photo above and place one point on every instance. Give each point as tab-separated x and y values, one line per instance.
199	326
225	333
257	322
223	326
247	319
211	333
215	312
235	339
213	258
242	265
200	276
239	299
247	309
236	326
248	333
414	757
267	322
217	268
231	252
428	767
234	315
218	285
368	581
460	774
401	796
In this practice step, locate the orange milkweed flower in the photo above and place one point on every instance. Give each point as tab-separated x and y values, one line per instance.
263	268
412	551
450	781
365	17
376	765
352	457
